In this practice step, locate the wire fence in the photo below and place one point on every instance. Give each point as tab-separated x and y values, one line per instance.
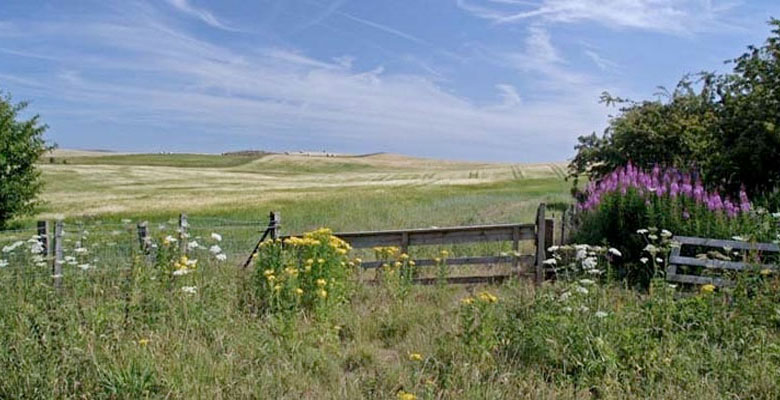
95	244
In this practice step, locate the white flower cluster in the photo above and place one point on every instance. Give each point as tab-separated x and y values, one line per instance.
189	289
215	249
12	247
586	257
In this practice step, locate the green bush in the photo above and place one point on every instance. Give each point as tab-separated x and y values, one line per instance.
21	145
726	125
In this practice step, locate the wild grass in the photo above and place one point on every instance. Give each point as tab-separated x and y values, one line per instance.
123	327
130	331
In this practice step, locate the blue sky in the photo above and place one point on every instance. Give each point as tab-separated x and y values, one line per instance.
503	80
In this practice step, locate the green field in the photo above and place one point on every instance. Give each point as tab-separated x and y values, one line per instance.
371	192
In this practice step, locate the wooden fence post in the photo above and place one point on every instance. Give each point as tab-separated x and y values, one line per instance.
183	225
564	215
540	242
143	235
43	238
516	250
549	233
57	266
145	241
274	223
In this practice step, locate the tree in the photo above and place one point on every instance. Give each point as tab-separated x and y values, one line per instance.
21	145
726	126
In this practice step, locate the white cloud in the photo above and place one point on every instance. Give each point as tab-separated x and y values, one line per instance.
383	28
541	57
200	13
601	62
667	16
509	95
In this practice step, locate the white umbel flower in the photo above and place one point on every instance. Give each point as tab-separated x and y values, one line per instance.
189	289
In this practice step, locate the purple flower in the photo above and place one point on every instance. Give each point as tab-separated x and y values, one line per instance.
659	182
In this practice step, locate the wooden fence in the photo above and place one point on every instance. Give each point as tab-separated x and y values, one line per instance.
541	233
677	261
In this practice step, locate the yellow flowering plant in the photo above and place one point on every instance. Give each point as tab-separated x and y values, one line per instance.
397	270
310	272
478	320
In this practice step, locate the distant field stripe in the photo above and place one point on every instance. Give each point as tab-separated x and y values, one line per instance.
558	171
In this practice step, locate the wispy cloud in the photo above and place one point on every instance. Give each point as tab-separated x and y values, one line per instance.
509	95
601	62
383	28
667	16
540	57
200	13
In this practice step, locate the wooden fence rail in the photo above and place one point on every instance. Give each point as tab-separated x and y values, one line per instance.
541	233
676	260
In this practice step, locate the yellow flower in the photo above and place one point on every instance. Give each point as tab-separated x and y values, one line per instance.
278	288
268	272
406	396
467	300
321	282
322	293
437	260
397	264
298	291
292	271
358	261
307	268
444	253
766	271
404	256
321	261
341	251
487	297
415	357
708	288
143	342
309	262
412	263
270	278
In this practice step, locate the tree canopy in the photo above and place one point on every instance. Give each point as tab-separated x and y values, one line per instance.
21	145
725	126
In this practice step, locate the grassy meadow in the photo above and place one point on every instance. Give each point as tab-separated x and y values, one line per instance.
123	326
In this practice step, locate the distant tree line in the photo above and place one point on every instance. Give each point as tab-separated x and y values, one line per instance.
725	126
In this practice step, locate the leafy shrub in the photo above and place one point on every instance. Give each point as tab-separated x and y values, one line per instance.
21	145
726	125
302	273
